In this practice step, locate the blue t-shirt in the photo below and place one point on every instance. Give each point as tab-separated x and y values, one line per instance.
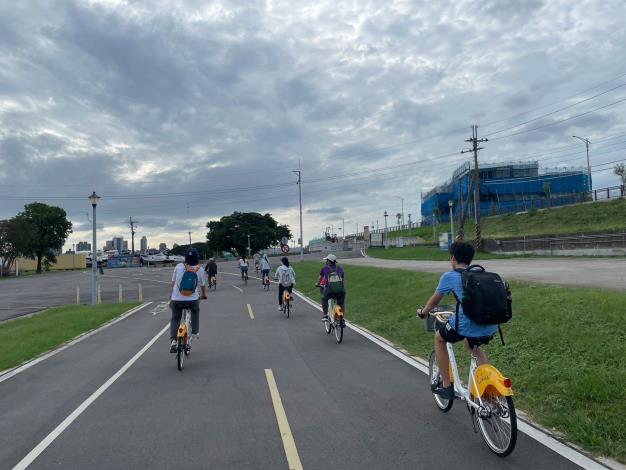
449	282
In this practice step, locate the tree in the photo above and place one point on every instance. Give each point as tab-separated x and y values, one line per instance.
16	238
231	232
620	170
51	229
182	249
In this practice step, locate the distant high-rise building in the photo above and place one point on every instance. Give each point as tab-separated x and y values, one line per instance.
118	244
162	246
144	244
125	245
109	245
83	246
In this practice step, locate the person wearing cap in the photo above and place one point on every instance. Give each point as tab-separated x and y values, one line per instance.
211	270
330	268
286	278
179	301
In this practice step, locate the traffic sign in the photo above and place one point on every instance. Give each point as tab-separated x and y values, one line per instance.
285	249
284	240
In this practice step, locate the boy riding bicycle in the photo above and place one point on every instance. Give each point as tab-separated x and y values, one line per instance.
187	276
243	265
459	327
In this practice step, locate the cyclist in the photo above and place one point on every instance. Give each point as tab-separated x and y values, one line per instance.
257	261
286	280
179	300
211	270
243	265
459	327
327	275
265	267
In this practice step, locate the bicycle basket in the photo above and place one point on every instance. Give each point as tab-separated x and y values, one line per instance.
430	324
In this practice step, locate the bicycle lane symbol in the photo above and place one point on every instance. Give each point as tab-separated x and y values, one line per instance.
159	308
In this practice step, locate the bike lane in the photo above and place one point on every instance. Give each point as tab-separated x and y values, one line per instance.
349	406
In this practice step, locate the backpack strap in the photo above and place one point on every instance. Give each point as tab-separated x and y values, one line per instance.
458	301
501	335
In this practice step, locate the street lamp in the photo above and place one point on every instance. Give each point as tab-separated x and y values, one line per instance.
587	142
94	198
451	205
402	210
386	215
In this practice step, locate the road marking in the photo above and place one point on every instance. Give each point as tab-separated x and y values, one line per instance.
530	429
6	375
250	312
49	439
238	288
291	452
161	307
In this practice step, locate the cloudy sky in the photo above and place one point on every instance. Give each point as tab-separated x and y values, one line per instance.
180	112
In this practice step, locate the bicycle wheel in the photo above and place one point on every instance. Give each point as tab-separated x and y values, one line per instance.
328	324
287	308
433	372
180	355
498	427
339	331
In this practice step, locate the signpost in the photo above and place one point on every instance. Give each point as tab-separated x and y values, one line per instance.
285	249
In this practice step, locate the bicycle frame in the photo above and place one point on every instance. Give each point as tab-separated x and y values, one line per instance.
184	326
484	379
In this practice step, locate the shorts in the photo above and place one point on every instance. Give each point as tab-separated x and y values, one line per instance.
450	335
244	269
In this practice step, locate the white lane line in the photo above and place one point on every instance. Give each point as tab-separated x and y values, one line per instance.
238	288
289	444
49	439
530	429
6	375
250	312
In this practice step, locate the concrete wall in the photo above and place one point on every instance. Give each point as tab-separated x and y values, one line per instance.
63	262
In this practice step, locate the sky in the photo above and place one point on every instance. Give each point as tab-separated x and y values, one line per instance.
177	113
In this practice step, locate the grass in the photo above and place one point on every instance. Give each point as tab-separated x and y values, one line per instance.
565	347
424	253
26	338
604	216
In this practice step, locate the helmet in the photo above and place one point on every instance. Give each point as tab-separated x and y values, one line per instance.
332	258
191	257
211	259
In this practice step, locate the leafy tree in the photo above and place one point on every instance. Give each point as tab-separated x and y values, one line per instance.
620	170
16	238
202	248
51	229
231	232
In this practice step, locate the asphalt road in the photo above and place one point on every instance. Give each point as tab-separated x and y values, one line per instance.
348	406
606	273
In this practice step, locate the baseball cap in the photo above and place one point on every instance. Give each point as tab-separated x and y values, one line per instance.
331	258
192	257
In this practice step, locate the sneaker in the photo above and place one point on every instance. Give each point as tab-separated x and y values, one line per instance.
325	318
195	335
280	308
444	392
173	345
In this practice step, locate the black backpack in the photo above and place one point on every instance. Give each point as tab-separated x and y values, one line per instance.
486	297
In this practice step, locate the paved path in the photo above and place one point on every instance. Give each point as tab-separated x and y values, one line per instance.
581	272
348	406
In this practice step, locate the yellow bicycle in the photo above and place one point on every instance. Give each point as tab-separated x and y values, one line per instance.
488	395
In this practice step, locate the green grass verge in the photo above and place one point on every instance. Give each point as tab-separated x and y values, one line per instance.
26	338
565	347
577	218
423	253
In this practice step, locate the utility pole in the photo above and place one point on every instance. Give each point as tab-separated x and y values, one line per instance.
132	236
299	183
587	142
189	239
474	140
249	252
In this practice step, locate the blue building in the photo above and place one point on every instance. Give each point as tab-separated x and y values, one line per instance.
505	187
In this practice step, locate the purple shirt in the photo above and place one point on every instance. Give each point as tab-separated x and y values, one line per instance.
325	271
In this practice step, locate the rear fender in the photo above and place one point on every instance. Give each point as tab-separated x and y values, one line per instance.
489	381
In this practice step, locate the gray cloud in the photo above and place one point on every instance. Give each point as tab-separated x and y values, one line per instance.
210	107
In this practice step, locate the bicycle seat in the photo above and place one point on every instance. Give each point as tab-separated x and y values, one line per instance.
479	341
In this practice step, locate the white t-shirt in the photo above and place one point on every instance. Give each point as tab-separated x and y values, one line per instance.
179	270
243	263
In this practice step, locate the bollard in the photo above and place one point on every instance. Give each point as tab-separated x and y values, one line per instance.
140	292
99	294
77	295
119	294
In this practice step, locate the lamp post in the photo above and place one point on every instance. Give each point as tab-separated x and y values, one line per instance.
451	204
386	215
587	142
249	252
94	198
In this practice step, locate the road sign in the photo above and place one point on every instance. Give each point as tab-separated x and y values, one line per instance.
284	241
285	249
